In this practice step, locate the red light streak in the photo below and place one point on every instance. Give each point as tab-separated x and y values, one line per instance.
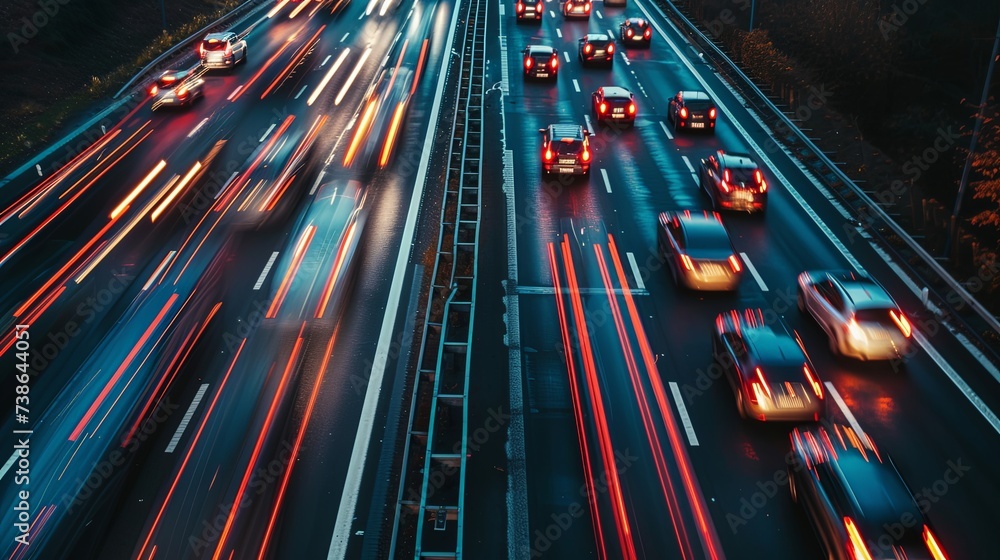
263	68
390	138
362	131
420	67
331	281
300	253
296	60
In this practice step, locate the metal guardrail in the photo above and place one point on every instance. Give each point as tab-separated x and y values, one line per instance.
436	450
870	214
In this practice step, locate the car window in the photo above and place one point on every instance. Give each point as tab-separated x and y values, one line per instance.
831	293
737	345
678	234
699	105
214	45
564	147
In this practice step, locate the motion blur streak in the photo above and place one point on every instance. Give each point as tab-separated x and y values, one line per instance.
385	7
327	354
279	393
155	276
302	5
191	448
263	69
420	67
326	79
577	407
361	132
296	60
300	251
105	158
198	166
680	531
285	178
708	535
338	263
121	368
390	138
277	8
138	189
597	407
34	529
352	76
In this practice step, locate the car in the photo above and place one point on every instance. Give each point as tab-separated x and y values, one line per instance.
733	181
616	3
597	47
177	88
691	110
635	31
577	8
222	50
698	251
614	103
855	499
540	62
767	368
565	149
529	10
858	315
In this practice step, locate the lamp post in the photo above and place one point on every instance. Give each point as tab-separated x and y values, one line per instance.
163	11
972	145
753	8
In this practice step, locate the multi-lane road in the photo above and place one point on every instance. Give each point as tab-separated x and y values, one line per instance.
214	299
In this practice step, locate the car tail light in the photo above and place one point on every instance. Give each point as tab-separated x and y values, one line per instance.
725	186
855	329
182	91
586	7
735	263
628	33
548	154
229	50
936	551
528	62
538	8
763	186
902	323
758	177
817	387
554	63
520	7
711	113
201	50
855	544
587	48
611	49
631	108
648	33
726	176
763	382
603	107
153	90
686	261
684	112
586	155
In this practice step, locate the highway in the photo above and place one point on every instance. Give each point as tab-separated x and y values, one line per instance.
222	305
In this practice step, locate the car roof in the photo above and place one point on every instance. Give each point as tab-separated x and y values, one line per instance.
701	225
222	36
597	37
772	347
540	49
616	91
736	159
865	293
695	96
636	20
574	131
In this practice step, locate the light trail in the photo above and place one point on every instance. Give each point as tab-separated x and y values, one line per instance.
352	76
326	79
138	190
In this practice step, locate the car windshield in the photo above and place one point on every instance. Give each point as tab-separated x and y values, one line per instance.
567	147
699	105
167	82
708	239
879	317
214	45
740	175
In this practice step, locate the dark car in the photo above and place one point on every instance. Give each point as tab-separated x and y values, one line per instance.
635	31
540	62
565	149
692	110
855	498
177	88
698	251
577	8
768	370
860	318
529	10
597	47
734	182
615	104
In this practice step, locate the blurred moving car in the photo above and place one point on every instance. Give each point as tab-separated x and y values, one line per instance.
529	10
734	182
768	370
692	110
614	103
858	315
177	88
565	149
222	50
635	31
540	62
597	47
577	8
856	500
698	251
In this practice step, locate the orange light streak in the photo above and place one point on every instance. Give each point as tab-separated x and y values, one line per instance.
300	253
390	138
261	71
420	67
295	61
362	131
176	191
138	189
331	281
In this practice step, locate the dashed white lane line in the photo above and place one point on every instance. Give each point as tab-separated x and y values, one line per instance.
186	419
503	12
267	268
301	91
315	186
235	92
197	128
590	127
559	32
753	271
268	131
576	85
843	408
566	54
553	14
694	177
611	33
666	130
342	39
682	411
327	59
635	271
687	162
599	16
625	58
607	183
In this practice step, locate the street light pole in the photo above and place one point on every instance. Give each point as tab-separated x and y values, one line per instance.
753	8
972	145
163	10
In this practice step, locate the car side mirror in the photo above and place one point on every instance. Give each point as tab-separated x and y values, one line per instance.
541	130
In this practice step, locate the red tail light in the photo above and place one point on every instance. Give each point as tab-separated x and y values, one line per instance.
538	8
757	176
902	323
586	7
726	176
153	90
631	108
734	262
763	186
763	382
548	154
528	62
603	108
684	112
182	91
555	61
936	551
520	7
628	33
817	387
586	155
611	49
229	50
648	33
725	186
201	50
855	544
587	48
711	113
686	261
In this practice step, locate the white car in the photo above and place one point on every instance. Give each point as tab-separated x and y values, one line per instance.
222	50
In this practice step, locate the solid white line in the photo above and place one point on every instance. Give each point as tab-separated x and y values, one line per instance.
635	271
666	130
607	184
268	132
576	85
301	91
359	452
753	270
235	92
682	411
8	464
226	185
843	408
559	32
590	127
963	387
315	186
197	128
566	54
263	273
687	162
187	418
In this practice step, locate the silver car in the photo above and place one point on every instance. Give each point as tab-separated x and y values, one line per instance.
177	88
222	50
858	315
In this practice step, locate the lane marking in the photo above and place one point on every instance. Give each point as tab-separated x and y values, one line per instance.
325	60
187	418
694	177
503	12
354	74
197	128
8	464
553	14
607	184
683	413
576	85
301	91
753	270
843	408
963	387
159	269
687	162
590	127
263	273
550	291
611	34
268	132
235	92
559	32
666	130
635	271
342	39
599	16
566	54
627	61
315	186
